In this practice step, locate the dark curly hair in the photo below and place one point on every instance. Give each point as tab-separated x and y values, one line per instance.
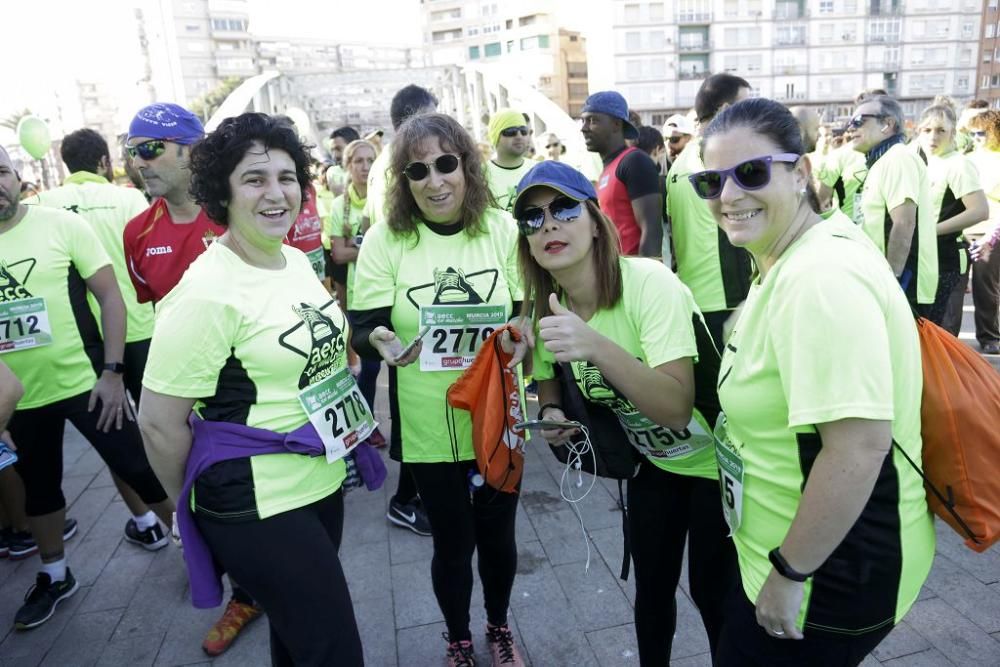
82	150
214	158
401	207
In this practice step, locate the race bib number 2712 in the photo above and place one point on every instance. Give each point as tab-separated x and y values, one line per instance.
24	324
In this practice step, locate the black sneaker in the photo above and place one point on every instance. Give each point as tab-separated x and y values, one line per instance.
21	545
409	515
42	599
5	534
151	539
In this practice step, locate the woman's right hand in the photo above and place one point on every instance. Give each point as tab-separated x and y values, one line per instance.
390	347
557	436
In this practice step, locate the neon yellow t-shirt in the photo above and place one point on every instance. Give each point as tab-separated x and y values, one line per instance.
47	256
952	176
379	180
108	208
900	175
827	335
244	342
333	227
848	166
653	322
434	270
988	166
716	272
503	181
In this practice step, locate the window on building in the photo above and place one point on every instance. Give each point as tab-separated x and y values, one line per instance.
577	69
192	28
472	32
631	13
491	49
731	9
990	31
917	57
578	90
658	68
510	23
962	83
510	46
633	41
995	81
633	69
825	33
754	63
657	40
527	20
826	6
968	30
965	57
447	14
543	41
985	83
731	64
656	12
473	52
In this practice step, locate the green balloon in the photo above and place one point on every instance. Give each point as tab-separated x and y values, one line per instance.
33	134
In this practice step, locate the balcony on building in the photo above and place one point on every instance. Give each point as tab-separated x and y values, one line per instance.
692	67
789	10
885	7
694	18
692	39
232	28
790	35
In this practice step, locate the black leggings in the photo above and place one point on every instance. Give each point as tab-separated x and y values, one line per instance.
289	564
663	509
746	644
459	527
134	360
38	433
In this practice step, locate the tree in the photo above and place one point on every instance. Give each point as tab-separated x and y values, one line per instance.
12	120
206	105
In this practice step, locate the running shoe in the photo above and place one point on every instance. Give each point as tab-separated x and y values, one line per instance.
502	648
460	653
5	542
22	544
222	635
409	515
151	539
990	348
42	599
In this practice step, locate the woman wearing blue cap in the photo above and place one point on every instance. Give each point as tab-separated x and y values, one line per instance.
628	331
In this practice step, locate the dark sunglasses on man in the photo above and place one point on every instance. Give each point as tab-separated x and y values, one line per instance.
523	130
147	150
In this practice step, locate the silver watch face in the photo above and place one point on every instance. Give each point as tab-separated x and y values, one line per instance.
358	239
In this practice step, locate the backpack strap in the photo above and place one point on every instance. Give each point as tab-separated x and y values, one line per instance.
949	502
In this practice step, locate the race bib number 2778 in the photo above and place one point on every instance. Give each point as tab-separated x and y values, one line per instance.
339	413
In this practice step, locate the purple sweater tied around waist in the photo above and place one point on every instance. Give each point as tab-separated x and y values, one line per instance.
214	442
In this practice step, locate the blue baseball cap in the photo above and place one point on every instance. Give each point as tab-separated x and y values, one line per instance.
559	176
613	104
166	121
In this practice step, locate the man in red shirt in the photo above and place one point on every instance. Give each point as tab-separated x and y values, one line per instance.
628	189
161	242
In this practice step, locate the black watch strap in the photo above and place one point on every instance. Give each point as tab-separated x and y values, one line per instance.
783	568
117	367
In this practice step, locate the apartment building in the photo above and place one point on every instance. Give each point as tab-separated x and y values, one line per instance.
819	53
988	55
520	36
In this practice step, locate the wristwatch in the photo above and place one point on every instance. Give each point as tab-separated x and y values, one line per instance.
117	367
782	567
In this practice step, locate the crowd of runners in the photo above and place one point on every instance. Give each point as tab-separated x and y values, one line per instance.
736	293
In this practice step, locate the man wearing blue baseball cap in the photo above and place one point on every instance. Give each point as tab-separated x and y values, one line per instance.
628	188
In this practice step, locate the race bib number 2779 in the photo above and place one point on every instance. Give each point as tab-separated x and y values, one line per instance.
457	332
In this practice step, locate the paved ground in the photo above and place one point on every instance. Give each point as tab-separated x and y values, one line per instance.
132	606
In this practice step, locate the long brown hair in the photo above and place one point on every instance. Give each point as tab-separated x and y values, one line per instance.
538	283
402	207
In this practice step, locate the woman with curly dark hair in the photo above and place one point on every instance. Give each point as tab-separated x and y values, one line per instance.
253	343
446	260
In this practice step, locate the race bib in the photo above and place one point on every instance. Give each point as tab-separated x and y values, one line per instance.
730	475
24	324
339	413
857	214
318	262
659	442
457	333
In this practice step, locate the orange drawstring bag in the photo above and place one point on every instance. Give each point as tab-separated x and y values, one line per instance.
961	436
490	391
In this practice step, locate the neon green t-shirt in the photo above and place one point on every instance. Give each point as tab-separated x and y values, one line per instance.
44	260
827	335
503	181
244	342
900	175
439	273
716	272
108	208
333	227
988	166
379	180
952	176
324	202
847	166
653	322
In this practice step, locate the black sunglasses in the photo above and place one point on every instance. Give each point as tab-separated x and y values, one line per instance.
444	164
674	140
553	145
562	209
147	150
859	120
752	174
514	131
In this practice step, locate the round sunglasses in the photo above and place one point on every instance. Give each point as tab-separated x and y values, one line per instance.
562	209
751	174
444	164
147	150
